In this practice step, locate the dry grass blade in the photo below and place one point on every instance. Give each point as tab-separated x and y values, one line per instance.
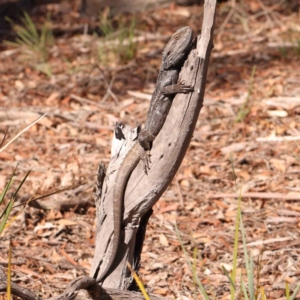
21	132
9	271
5	134
138	281
51	193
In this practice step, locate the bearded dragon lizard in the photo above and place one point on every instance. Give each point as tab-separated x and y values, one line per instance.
174	55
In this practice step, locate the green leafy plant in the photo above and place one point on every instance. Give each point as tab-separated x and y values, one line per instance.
118	42
33	40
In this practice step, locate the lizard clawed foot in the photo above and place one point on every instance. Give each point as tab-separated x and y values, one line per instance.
177	88
146	159
186	89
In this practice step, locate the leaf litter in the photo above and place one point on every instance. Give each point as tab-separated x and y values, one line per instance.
51	247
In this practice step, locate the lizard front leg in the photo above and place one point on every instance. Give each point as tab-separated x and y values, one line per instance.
156	119
176	89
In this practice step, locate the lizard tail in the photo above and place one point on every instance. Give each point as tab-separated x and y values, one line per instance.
128	165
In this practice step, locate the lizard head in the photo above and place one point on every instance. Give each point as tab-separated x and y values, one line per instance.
177	48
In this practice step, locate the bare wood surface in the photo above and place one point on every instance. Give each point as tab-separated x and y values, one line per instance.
167	153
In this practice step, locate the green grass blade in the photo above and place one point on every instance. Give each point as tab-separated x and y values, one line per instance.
244	289
251	278
105	23
233	171
263	295
236	244
229	278
195	255
20	185
287	291
25	34
248	262
5	215
49	31
43	37
30	26
2	195
46	34
250	89
22	40
29	36
195	276
9	296
295	292
53	193
4	137
259	268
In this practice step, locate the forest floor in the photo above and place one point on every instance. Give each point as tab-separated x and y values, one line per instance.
250	123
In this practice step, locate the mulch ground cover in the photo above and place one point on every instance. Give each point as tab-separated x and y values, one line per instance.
246	143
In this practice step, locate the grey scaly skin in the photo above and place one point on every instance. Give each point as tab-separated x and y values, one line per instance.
167	87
